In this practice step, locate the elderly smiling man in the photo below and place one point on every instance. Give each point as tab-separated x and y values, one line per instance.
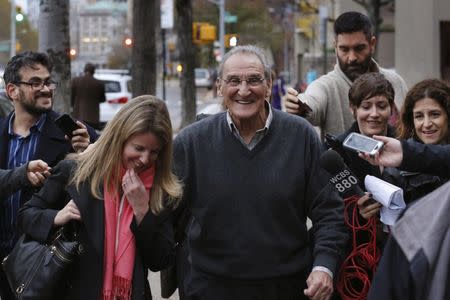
251	177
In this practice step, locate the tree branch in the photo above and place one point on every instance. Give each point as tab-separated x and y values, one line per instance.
362	3
383	3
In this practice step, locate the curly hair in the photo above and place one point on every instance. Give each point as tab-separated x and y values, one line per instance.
435	89
25	59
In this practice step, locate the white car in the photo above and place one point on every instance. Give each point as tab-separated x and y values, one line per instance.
203	78
117	90
2	81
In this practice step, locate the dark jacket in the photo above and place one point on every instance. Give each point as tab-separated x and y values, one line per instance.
52	146
434	159
361	238
414	184
13	180
154	236
87	94
416	259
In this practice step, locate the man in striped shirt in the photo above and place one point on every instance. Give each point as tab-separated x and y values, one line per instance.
29	133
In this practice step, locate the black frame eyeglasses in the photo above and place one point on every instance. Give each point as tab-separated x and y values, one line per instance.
39	85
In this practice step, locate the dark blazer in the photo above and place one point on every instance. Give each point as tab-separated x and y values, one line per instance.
154	236
13	180
52	146
87	94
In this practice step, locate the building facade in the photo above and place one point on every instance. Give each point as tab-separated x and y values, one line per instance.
96	29
423	39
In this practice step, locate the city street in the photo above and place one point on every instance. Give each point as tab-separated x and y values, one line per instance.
153	278
173	100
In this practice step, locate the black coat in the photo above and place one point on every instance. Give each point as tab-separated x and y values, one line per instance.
52	146
434	159
415	185
154	236
415	262
13	180
87	94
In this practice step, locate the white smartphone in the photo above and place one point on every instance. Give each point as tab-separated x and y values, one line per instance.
361	143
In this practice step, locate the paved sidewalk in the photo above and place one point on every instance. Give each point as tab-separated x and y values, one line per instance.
153	278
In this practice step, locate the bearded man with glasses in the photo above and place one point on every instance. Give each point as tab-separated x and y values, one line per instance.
251	177
29	133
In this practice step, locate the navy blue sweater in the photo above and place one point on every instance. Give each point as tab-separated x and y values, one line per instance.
250	206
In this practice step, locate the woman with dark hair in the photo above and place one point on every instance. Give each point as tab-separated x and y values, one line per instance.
425	119
425	112
371	98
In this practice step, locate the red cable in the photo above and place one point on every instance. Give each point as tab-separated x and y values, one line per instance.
357	270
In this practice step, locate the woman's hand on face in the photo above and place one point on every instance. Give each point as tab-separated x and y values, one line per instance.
69	212
368	207
136	194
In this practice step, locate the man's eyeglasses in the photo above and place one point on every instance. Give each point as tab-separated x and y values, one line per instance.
39	85
235	81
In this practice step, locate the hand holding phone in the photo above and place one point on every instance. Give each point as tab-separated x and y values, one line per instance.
67	125
361	143
304	108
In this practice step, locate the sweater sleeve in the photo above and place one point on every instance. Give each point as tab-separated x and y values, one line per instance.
328	234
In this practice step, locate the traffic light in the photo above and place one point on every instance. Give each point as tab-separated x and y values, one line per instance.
231	39
72	53
305	24
128	42
308	8
19	14
203	33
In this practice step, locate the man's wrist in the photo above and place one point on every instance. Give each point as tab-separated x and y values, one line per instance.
323	269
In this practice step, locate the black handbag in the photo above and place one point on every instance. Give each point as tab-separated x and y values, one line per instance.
34	269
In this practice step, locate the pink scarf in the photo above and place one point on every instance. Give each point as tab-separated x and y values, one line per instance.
119	265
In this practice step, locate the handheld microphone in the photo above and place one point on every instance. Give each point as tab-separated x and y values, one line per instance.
342	178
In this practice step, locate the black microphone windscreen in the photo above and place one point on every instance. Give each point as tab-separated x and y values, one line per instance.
331	161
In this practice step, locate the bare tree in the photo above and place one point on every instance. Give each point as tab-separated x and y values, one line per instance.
54	39
143	56
187	56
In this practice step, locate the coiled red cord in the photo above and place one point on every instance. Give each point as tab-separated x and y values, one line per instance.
357	270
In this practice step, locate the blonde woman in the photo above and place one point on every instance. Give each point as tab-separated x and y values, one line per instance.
118	191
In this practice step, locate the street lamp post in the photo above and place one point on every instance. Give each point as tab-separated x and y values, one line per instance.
221	4
222	27
13	29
